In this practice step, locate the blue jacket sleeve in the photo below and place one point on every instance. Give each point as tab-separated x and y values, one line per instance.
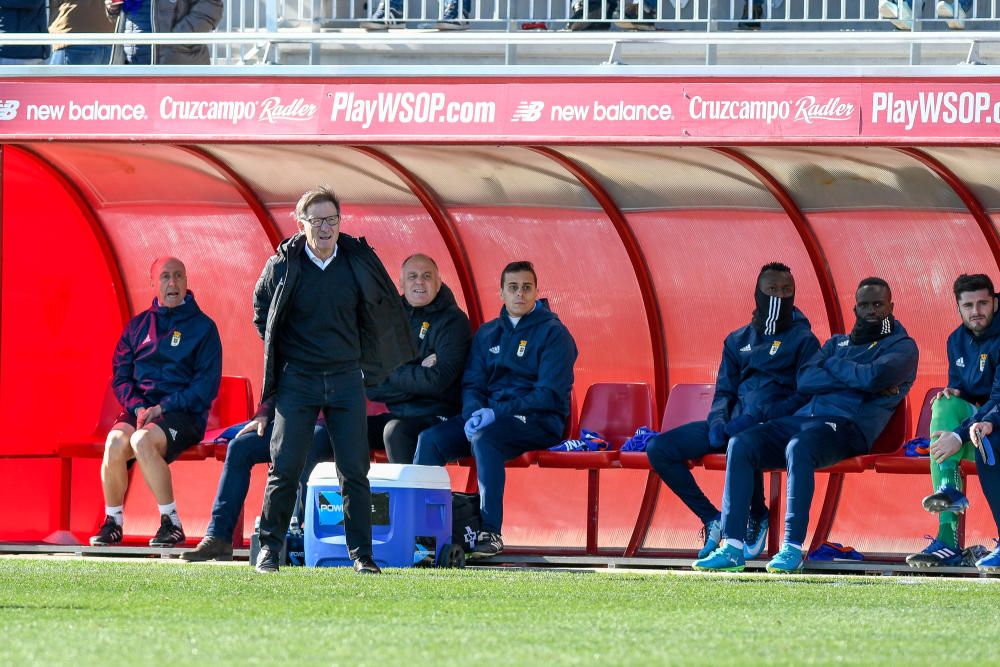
813	378
807	349
451	348
123	380
198	395
555	378
727	383
954	378
886	370
474	394
986	408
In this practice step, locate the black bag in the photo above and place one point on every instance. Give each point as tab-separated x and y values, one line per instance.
465	519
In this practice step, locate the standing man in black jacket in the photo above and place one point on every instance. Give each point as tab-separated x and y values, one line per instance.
332	322
428	389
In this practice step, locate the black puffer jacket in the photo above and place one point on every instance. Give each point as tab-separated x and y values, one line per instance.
413	390
23	16
382	322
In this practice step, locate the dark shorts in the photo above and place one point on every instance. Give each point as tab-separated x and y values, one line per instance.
183	431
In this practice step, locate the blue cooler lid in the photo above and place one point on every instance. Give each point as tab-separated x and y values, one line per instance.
389	475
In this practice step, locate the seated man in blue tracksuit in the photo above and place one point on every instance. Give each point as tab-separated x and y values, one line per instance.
972	392
756	383
989	478
854	384
515	396
249	447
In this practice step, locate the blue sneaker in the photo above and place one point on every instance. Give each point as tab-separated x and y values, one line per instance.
946	499
937	554
711	533
723	559
788	560
756	537
991	561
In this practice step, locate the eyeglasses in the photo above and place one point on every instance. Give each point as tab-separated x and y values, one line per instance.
331	221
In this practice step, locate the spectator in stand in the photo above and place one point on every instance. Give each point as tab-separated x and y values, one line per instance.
23	16
854	382
144	16
167	369
428	389
387	16
80	16
515	396
972	393
755	383
900	12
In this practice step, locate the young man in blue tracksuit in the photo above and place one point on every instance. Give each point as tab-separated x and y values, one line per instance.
756	383
989	477
854	384
973	360
515	396
167	370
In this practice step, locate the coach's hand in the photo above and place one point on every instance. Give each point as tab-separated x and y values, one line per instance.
944	444
256	424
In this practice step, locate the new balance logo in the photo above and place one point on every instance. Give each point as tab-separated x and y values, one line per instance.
495	349
745	348
8	109
528	112
832	425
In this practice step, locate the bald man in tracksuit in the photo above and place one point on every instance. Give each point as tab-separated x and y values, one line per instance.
855	383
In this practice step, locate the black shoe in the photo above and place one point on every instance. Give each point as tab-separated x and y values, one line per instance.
168	535
109	535
210	548
366	565
593	12
632	14
758	13
267	561
383	19
487	544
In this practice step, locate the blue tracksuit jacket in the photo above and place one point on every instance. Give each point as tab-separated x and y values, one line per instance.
171	357
757	373
845	380
525	370
973	362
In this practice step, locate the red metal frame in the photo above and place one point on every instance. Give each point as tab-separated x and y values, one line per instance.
267	221
445	225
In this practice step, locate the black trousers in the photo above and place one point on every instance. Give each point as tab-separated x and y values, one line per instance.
341	397
397	435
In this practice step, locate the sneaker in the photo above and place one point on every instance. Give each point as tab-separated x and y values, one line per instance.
453	19
168	535
210	548
487	544
788	560
946	10
711	535
758	14
900	13
991	561
970	555
109	535
366	565
946	499
593	11
756	537
723	559
937	554
383	18
632	17
267	561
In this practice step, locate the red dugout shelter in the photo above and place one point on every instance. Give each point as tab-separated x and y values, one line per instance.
647	204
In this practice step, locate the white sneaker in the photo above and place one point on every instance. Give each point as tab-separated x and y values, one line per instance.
946	10
899	13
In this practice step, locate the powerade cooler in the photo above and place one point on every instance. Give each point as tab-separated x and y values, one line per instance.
411	516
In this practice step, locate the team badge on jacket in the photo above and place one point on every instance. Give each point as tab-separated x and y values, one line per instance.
982	362
520	348
175	340
423	329
774	347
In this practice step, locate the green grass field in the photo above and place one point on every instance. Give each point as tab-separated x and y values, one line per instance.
57	611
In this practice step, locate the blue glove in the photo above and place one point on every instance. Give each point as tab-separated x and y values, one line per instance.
472	425
486	417
717	434
741	423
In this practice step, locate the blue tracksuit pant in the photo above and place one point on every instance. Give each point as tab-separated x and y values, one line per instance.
504	439
798	444
989	478
669	453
